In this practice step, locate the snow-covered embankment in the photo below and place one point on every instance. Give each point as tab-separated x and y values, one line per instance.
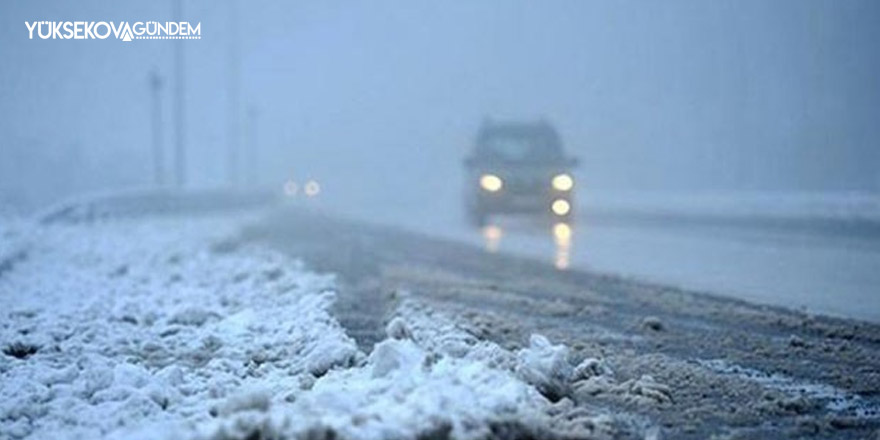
170	329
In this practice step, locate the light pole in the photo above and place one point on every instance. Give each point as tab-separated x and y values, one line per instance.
233	123
155	82
251	151
179	104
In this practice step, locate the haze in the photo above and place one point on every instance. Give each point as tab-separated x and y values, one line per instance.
380	100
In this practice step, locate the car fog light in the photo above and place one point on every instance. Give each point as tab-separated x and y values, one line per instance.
560	207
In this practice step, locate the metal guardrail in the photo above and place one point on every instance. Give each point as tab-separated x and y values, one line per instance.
147	202
129	204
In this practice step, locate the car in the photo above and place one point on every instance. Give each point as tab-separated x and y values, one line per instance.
518	168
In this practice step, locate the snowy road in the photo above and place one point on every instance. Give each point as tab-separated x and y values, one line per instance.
187	331
819	262
731	367
293	324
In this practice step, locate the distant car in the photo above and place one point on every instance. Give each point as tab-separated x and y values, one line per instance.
518	167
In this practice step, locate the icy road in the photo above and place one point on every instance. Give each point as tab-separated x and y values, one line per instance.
815	252
716	365
293	324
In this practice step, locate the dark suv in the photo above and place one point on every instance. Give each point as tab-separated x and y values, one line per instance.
518	167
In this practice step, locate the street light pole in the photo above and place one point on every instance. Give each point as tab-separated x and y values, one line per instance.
252	150
233	123
158	153
179	104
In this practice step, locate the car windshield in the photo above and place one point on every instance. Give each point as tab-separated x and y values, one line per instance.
519	148
512	148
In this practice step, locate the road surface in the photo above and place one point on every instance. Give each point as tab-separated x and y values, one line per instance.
830	268
733	368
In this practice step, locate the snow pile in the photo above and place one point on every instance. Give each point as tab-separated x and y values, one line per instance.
170	329
546	366
400	392
108	327
429	378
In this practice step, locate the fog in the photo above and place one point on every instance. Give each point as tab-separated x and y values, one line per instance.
371	219
380	101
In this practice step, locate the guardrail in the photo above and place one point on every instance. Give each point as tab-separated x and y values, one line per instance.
145	202
16	237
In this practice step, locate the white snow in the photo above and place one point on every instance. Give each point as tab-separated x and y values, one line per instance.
172	329
140	322
545	366
429	376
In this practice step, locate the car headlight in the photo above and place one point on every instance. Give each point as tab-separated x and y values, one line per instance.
560	207
562	182
311	188
491	182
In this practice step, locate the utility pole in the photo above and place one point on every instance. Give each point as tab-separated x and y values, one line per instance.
179	104
233	123
158	153
251	150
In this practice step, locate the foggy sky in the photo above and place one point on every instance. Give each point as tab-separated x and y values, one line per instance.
375	97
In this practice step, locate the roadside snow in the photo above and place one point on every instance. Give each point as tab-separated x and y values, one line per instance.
13	241
153	322
400	392
172	329
798	391
428	378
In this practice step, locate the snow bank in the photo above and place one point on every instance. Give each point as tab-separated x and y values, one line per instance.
400	392
152	323
169	329
429	379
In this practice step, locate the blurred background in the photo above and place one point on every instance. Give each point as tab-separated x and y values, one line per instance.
753	117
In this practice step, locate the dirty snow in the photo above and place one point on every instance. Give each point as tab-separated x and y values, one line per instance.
172	329
429	377
834	399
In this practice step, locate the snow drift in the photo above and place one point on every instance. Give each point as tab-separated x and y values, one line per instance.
173	329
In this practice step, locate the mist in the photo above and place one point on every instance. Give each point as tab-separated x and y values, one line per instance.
506	219
380	101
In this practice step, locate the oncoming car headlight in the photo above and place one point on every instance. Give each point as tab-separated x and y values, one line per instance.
491	182
311	188
562	182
